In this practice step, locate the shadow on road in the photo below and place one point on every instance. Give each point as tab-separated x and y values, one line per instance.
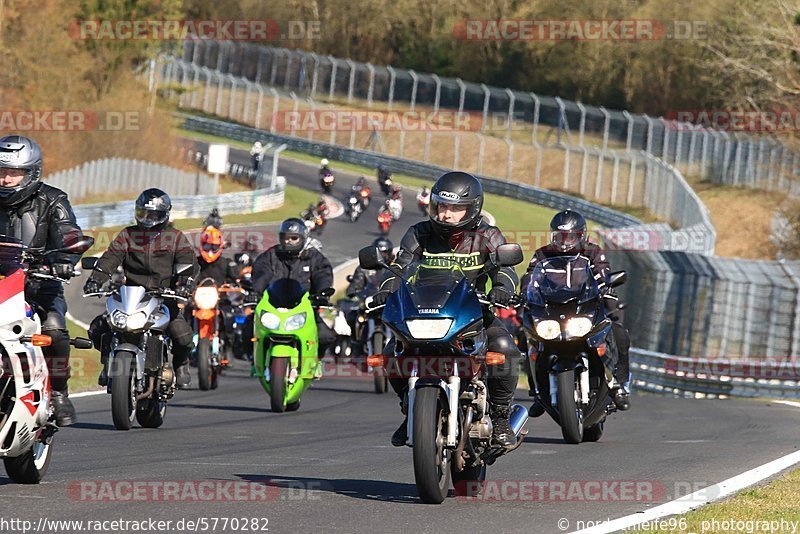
369	490
553	441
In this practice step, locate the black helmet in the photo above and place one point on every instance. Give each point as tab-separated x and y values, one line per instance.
17	152
152	209
459	189
385	247
292	236
568	231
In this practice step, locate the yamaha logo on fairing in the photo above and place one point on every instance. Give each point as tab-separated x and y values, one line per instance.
449	196
428	310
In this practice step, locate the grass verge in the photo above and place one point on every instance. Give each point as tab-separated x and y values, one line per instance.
755	508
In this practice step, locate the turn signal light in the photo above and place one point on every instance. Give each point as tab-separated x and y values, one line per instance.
495	358
601	349
41	340
376	360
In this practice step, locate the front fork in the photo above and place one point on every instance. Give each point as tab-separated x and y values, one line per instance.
583	383
451	389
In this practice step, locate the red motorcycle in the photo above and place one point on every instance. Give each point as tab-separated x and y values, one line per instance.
384	220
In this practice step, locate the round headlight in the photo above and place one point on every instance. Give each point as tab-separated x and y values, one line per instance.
119	319
578	326
206	298
270	321
548	329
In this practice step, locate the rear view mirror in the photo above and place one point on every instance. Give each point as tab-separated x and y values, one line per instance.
327	292
78	246
88	263
616	279
509	254
369	258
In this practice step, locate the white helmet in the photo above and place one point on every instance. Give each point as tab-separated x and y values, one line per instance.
257	144
324	162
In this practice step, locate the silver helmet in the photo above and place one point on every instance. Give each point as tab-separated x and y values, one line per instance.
18	152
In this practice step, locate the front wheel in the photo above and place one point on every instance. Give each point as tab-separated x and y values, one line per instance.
431	458
277	382
123	390
568	408
30	467
379	377
204	369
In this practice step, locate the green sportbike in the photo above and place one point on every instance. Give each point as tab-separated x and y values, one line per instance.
286	358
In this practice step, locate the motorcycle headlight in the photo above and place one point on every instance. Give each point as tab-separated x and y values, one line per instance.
270	321
548	329
206	298
137	321
578	326
428	328
119	319
295	322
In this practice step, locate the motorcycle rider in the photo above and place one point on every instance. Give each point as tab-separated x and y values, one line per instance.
364	278
40	216
383	175
295	257
148	252
455	230
213	219
256	155
568	238
324	167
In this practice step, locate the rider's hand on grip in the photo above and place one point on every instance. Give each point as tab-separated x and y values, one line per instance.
183	292
251	297
378	299
91	286
499	295
62	270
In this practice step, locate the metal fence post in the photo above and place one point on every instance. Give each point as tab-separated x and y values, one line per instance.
438	95
481	148
510	164
232	98
259	106
289	64
462	90
295	106
371	84
535	126
649	143
486	95
606	126
582	127
392	79
334	66
314	75
511	101
629	137
415	81
219	95
352	81
275	103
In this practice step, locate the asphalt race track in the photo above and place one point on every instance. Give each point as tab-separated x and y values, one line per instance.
330	468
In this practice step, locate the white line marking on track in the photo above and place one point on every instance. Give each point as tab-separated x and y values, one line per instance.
698	498
788	403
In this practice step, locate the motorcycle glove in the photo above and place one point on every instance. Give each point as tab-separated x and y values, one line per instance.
91	286
183	291
62	270
378	299
500	295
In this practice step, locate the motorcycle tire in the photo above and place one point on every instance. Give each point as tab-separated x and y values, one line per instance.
30	467
123	390
431	458
204	370
569	411
277	374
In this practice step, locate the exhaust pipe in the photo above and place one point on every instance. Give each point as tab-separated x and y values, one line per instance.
517	418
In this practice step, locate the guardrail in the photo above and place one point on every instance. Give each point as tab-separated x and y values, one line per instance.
183	207
689	377
119	175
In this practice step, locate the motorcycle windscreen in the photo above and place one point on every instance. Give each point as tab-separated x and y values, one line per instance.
431	281
562	279
285	293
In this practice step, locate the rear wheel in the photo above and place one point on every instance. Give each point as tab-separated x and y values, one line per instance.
123	390
277	381
593	433
204	369
431	458
470	481
30	467
150	413
568	408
